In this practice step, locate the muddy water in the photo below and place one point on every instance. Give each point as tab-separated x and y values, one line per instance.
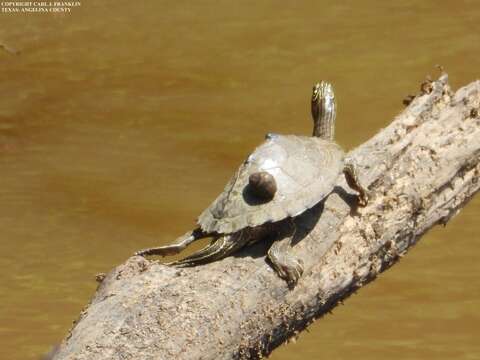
120	122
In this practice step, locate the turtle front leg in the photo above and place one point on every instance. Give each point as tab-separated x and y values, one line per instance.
180	244
283	262
350	171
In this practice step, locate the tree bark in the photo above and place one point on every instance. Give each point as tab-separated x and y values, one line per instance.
421	170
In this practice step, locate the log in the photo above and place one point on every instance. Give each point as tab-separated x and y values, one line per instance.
421	170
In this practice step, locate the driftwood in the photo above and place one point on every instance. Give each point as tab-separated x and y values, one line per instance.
421	170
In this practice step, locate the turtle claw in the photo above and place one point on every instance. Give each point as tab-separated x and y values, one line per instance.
291	273
141	252
363	198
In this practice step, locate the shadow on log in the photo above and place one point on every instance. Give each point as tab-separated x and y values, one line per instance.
421	169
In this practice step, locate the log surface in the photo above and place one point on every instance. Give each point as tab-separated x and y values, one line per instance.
421	170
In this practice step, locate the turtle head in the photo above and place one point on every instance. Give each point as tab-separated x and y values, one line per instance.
324	110
323	91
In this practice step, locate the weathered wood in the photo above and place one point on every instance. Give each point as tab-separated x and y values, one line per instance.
421	170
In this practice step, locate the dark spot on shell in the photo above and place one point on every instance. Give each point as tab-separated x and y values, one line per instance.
473	113
262	186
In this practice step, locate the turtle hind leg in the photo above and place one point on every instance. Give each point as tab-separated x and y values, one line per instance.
180	244
220	248
283	262
350	171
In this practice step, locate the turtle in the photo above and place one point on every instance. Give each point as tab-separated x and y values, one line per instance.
279	180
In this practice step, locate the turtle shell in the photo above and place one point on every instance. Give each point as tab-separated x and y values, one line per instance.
304	168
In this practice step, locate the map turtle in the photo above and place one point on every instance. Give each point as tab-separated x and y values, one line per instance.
281	179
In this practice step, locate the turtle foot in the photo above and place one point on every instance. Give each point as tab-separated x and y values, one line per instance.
363	197
351	175
291	272
286	266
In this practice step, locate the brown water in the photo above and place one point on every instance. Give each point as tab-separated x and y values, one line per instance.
120	122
